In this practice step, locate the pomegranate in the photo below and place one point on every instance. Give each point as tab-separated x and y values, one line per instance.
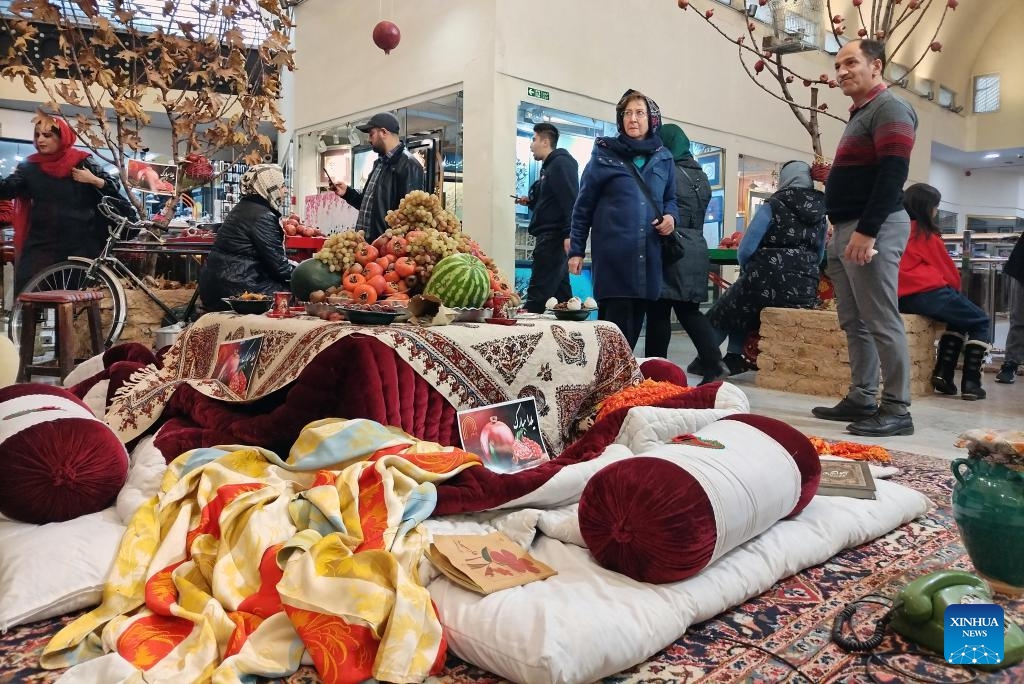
497	440
386	36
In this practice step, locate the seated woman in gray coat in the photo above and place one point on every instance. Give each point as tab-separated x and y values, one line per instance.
248	253
779	259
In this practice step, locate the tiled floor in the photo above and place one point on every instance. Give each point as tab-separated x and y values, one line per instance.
937	419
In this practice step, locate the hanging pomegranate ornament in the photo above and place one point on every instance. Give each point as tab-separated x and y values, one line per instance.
386	36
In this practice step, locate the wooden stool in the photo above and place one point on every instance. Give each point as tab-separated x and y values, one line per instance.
63	302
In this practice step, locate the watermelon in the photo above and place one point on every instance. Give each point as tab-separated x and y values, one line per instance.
312	275
460	280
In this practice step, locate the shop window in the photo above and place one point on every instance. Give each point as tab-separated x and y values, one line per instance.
986	93
758	178
946	220
431	131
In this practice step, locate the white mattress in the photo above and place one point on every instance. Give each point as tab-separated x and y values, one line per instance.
587	622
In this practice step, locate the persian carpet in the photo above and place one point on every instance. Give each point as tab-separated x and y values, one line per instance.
791	621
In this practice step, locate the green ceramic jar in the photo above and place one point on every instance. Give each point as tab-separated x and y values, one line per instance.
988	506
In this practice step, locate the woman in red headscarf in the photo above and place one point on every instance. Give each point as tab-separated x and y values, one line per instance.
57	190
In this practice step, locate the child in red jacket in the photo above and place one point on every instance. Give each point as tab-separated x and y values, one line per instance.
929	285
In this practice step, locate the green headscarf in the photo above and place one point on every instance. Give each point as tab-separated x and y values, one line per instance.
676	141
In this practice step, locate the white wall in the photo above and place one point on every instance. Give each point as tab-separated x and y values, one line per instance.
983	193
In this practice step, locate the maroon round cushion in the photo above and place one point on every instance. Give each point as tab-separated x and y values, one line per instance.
58	460
648	519
799	447
663	370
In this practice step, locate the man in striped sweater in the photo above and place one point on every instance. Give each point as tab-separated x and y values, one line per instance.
864	201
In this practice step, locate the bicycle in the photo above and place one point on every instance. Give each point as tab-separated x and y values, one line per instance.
102	273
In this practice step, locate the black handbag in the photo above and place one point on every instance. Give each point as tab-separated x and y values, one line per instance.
672	249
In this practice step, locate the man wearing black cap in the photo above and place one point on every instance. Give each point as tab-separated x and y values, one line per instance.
395	174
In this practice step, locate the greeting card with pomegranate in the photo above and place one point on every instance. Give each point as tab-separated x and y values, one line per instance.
506	436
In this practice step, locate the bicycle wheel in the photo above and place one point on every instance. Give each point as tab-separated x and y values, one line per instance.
72	275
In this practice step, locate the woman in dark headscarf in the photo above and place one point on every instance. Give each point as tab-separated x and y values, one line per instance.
248	253
56	191
779	257
685	284
614	211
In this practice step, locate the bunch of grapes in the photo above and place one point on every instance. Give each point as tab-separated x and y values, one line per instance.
421	211
428	247
339	250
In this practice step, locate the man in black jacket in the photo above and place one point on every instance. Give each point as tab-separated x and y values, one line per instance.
551	199
395	174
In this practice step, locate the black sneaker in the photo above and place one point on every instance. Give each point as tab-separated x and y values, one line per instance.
737	364
883	425
845	410
1007	374
695	367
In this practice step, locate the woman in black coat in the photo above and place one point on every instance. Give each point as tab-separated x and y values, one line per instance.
248	253
56	191
685	282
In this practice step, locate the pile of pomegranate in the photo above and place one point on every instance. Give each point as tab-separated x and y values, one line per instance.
293	226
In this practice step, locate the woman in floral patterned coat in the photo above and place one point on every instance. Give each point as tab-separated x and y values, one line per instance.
778	256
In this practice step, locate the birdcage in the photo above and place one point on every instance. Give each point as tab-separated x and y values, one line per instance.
796	26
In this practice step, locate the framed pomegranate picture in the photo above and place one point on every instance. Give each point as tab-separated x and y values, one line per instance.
505	436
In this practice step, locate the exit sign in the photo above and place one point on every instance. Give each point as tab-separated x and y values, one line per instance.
538	93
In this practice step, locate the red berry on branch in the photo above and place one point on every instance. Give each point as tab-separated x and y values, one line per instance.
683	4
823	78
833	84
823	106
806	82
936	46
710	13
858	3
762	3
759	66
862	32
750	26
789	79
951	4
914	4
838	19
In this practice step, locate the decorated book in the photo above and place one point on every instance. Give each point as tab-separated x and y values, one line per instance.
846	478
236	363
485	563
505	436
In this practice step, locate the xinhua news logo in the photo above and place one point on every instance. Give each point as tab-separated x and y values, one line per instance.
974	634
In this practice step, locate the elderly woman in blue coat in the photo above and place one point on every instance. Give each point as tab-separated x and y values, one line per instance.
613	209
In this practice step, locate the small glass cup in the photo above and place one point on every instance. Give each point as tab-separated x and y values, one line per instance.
499	304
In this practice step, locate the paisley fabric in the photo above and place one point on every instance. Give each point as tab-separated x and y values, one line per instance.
784	270
245	561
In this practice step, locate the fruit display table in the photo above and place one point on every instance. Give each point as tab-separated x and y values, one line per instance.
308	368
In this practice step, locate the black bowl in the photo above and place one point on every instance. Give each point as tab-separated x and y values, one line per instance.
249	306
360	317
569	315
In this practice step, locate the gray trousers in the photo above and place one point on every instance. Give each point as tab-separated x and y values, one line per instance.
1015	336
869	314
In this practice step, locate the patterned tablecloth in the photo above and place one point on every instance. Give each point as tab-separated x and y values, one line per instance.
568	367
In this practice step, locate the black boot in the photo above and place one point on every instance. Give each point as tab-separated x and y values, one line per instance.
950	345
970	379
1007	372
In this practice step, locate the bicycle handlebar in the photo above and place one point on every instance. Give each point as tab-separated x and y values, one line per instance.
120	222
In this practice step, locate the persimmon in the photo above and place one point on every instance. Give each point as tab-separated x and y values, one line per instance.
351	280
364	293
405	266
372	268
397	246
381	244
383	261
355	268
365	253
391	275
378	283
391	288
397	297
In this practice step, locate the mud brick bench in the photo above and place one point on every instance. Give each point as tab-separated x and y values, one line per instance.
804	351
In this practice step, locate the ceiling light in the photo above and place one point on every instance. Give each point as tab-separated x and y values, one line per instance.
992	155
